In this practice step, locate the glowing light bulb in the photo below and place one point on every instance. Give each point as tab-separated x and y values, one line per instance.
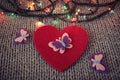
54	22
65	7
40	3
20	3
109	8
68	16
76	13
74	19
31	6
12	14
2	13
78	10
47	10
89	9
39	24
111	11
54	11
84	16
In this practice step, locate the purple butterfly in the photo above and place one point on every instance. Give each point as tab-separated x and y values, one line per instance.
61	43
22	36
97	62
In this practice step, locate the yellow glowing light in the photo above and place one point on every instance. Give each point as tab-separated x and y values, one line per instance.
30	5
39	24
78	10
33	4
32	8
76	13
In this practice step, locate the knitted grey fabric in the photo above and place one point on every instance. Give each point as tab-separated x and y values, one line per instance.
23	62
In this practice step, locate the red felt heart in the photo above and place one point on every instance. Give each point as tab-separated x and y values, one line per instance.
48	33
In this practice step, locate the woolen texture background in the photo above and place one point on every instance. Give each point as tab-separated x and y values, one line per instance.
22	62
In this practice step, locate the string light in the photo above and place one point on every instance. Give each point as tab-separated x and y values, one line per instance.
39	24
27	8
65	7
54	22
31	6
68	16
40	4
89	9
3	17
20	3
2	13
84	16
24	7
77	12
74	19
109	8
47	10
111	11
54	12
12	14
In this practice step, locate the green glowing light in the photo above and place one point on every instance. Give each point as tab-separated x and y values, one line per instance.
54	11
54	22
69	17
65	7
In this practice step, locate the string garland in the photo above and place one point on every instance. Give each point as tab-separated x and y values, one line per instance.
66	10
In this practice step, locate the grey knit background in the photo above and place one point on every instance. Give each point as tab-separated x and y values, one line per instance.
22	62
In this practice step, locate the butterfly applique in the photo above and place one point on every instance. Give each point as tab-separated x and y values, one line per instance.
61	43
98	63
22	36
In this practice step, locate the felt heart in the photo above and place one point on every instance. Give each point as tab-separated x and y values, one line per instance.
46	34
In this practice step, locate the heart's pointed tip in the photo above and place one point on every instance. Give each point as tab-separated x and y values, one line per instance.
61	70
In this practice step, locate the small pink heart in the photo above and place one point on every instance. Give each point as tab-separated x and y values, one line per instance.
44	35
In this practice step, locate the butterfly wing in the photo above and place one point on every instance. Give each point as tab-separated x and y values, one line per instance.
56	45
93	65
18	39
98	57
27	35
100	67
62	50
22	31
67	40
